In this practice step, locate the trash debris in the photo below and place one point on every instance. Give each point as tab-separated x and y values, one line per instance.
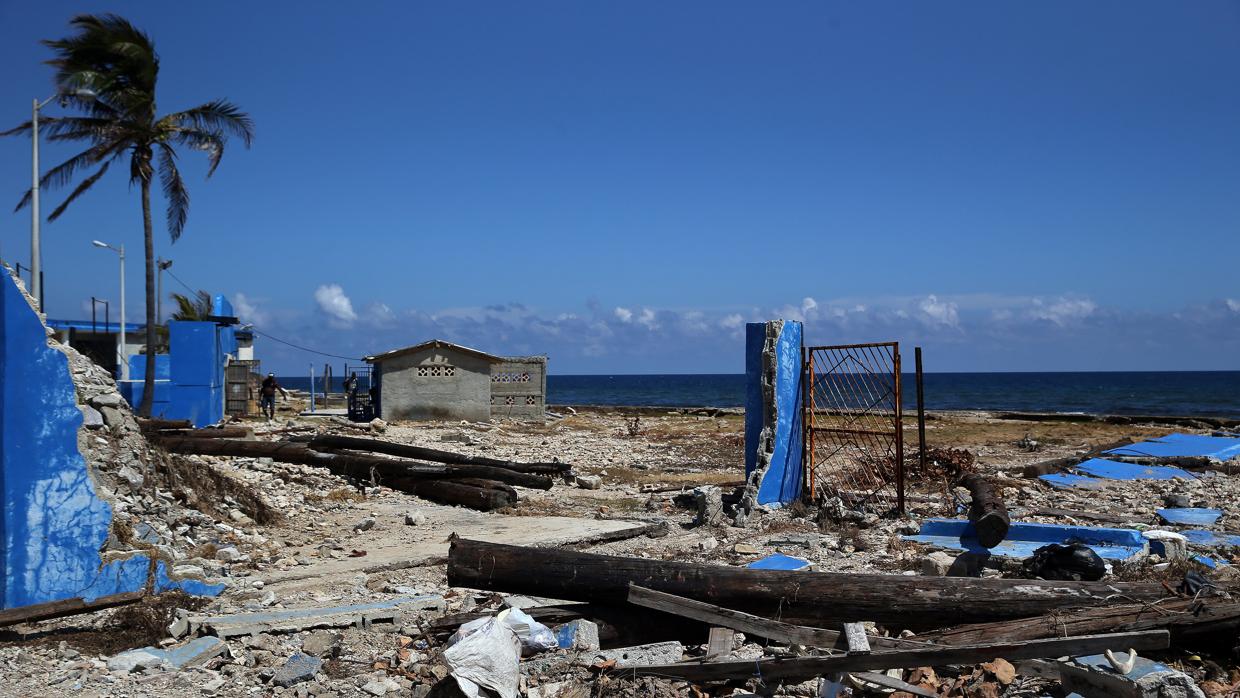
1074	562
487	657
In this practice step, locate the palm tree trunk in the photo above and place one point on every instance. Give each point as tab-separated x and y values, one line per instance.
148	239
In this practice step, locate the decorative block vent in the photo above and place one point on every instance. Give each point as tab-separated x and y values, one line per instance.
510	377
437	371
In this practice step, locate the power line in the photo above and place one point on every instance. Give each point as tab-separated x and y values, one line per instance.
274	339
307	349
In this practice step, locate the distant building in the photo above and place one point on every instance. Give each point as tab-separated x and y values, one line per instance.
442	380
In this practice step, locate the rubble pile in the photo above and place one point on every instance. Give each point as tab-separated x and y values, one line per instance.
340	582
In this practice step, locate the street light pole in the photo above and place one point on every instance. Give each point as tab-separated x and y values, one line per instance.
35	266
120	346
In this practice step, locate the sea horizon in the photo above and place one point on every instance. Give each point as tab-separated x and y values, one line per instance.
1213	393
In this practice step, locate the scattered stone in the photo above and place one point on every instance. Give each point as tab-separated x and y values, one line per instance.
299	667
379	687
415	518
378	425
708	544
365	524
228	554
322	643
589	482
91	418
112	417
107	400
746	549
936	564
135	660
1177	501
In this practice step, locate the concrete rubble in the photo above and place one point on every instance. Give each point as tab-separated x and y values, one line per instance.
336	587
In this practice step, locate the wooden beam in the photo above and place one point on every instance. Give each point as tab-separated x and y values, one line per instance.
987	511
822	599
66	607
333	441
804	668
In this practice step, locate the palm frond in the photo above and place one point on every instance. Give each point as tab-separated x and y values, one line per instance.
211	143
217	116
174	191
63	173
197	308
79	190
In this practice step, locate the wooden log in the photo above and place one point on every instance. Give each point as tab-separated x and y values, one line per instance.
1088	515
157	424
821	598
803	668
333	441
1182	617
456	492
987	511
750	624
66	607
1055	465
351	465
209	433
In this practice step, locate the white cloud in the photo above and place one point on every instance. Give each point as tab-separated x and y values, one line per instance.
624	314
247	309
647	318
1233	305
732	322
935	312
335	304
808	306
1063	311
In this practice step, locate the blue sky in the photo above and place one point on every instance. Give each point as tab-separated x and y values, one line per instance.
1032	186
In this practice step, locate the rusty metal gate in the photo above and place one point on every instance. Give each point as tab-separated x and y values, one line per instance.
854	431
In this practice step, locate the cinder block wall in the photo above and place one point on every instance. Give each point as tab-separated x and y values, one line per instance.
519	388
435	383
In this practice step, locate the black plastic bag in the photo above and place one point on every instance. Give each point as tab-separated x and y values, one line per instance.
1073	562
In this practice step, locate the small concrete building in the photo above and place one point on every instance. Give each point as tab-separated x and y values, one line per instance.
442	380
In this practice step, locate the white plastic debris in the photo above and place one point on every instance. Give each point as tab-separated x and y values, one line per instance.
534	636
488	656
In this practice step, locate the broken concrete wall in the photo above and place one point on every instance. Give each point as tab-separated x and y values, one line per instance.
773	412
55	524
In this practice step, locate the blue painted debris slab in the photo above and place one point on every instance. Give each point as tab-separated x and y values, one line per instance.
1210	538
1190	516
1209	561
1024	538
1068	481
1114	470
1093	675
779	561
1184	445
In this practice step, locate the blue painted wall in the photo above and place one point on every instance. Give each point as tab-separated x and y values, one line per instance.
53	525
190	378
781	483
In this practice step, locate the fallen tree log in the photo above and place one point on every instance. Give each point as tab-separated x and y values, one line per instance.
208	433
353	443
820	598
987	511
351	465
157	424
1055	465
803	668
464	493
1184	618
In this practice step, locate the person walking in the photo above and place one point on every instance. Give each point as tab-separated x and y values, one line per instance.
267	396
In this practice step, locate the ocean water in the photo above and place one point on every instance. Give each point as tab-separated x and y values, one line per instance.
1184	393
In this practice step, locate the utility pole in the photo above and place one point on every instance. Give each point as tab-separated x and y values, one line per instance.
162	264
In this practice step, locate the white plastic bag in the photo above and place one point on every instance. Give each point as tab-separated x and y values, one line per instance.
488	657
535	637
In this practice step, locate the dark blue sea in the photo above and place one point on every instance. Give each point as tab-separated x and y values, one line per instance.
1182	393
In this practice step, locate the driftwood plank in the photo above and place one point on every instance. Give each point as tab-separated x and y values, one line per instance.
66	607
803	668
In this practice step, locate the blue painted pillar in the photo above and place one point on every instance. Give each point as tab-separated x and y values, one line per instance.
773	410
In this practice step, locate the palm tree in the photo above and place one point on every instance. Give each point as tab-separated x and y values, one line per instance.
197	308
108	70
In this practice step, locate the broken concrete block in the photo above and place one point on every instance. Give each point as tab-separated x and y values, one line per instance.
1169	544
194	653
380	687
710	506
360	615
1093	675
134	660
589	482
579	634
641	655
299	667
228	554
936	564
322	643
